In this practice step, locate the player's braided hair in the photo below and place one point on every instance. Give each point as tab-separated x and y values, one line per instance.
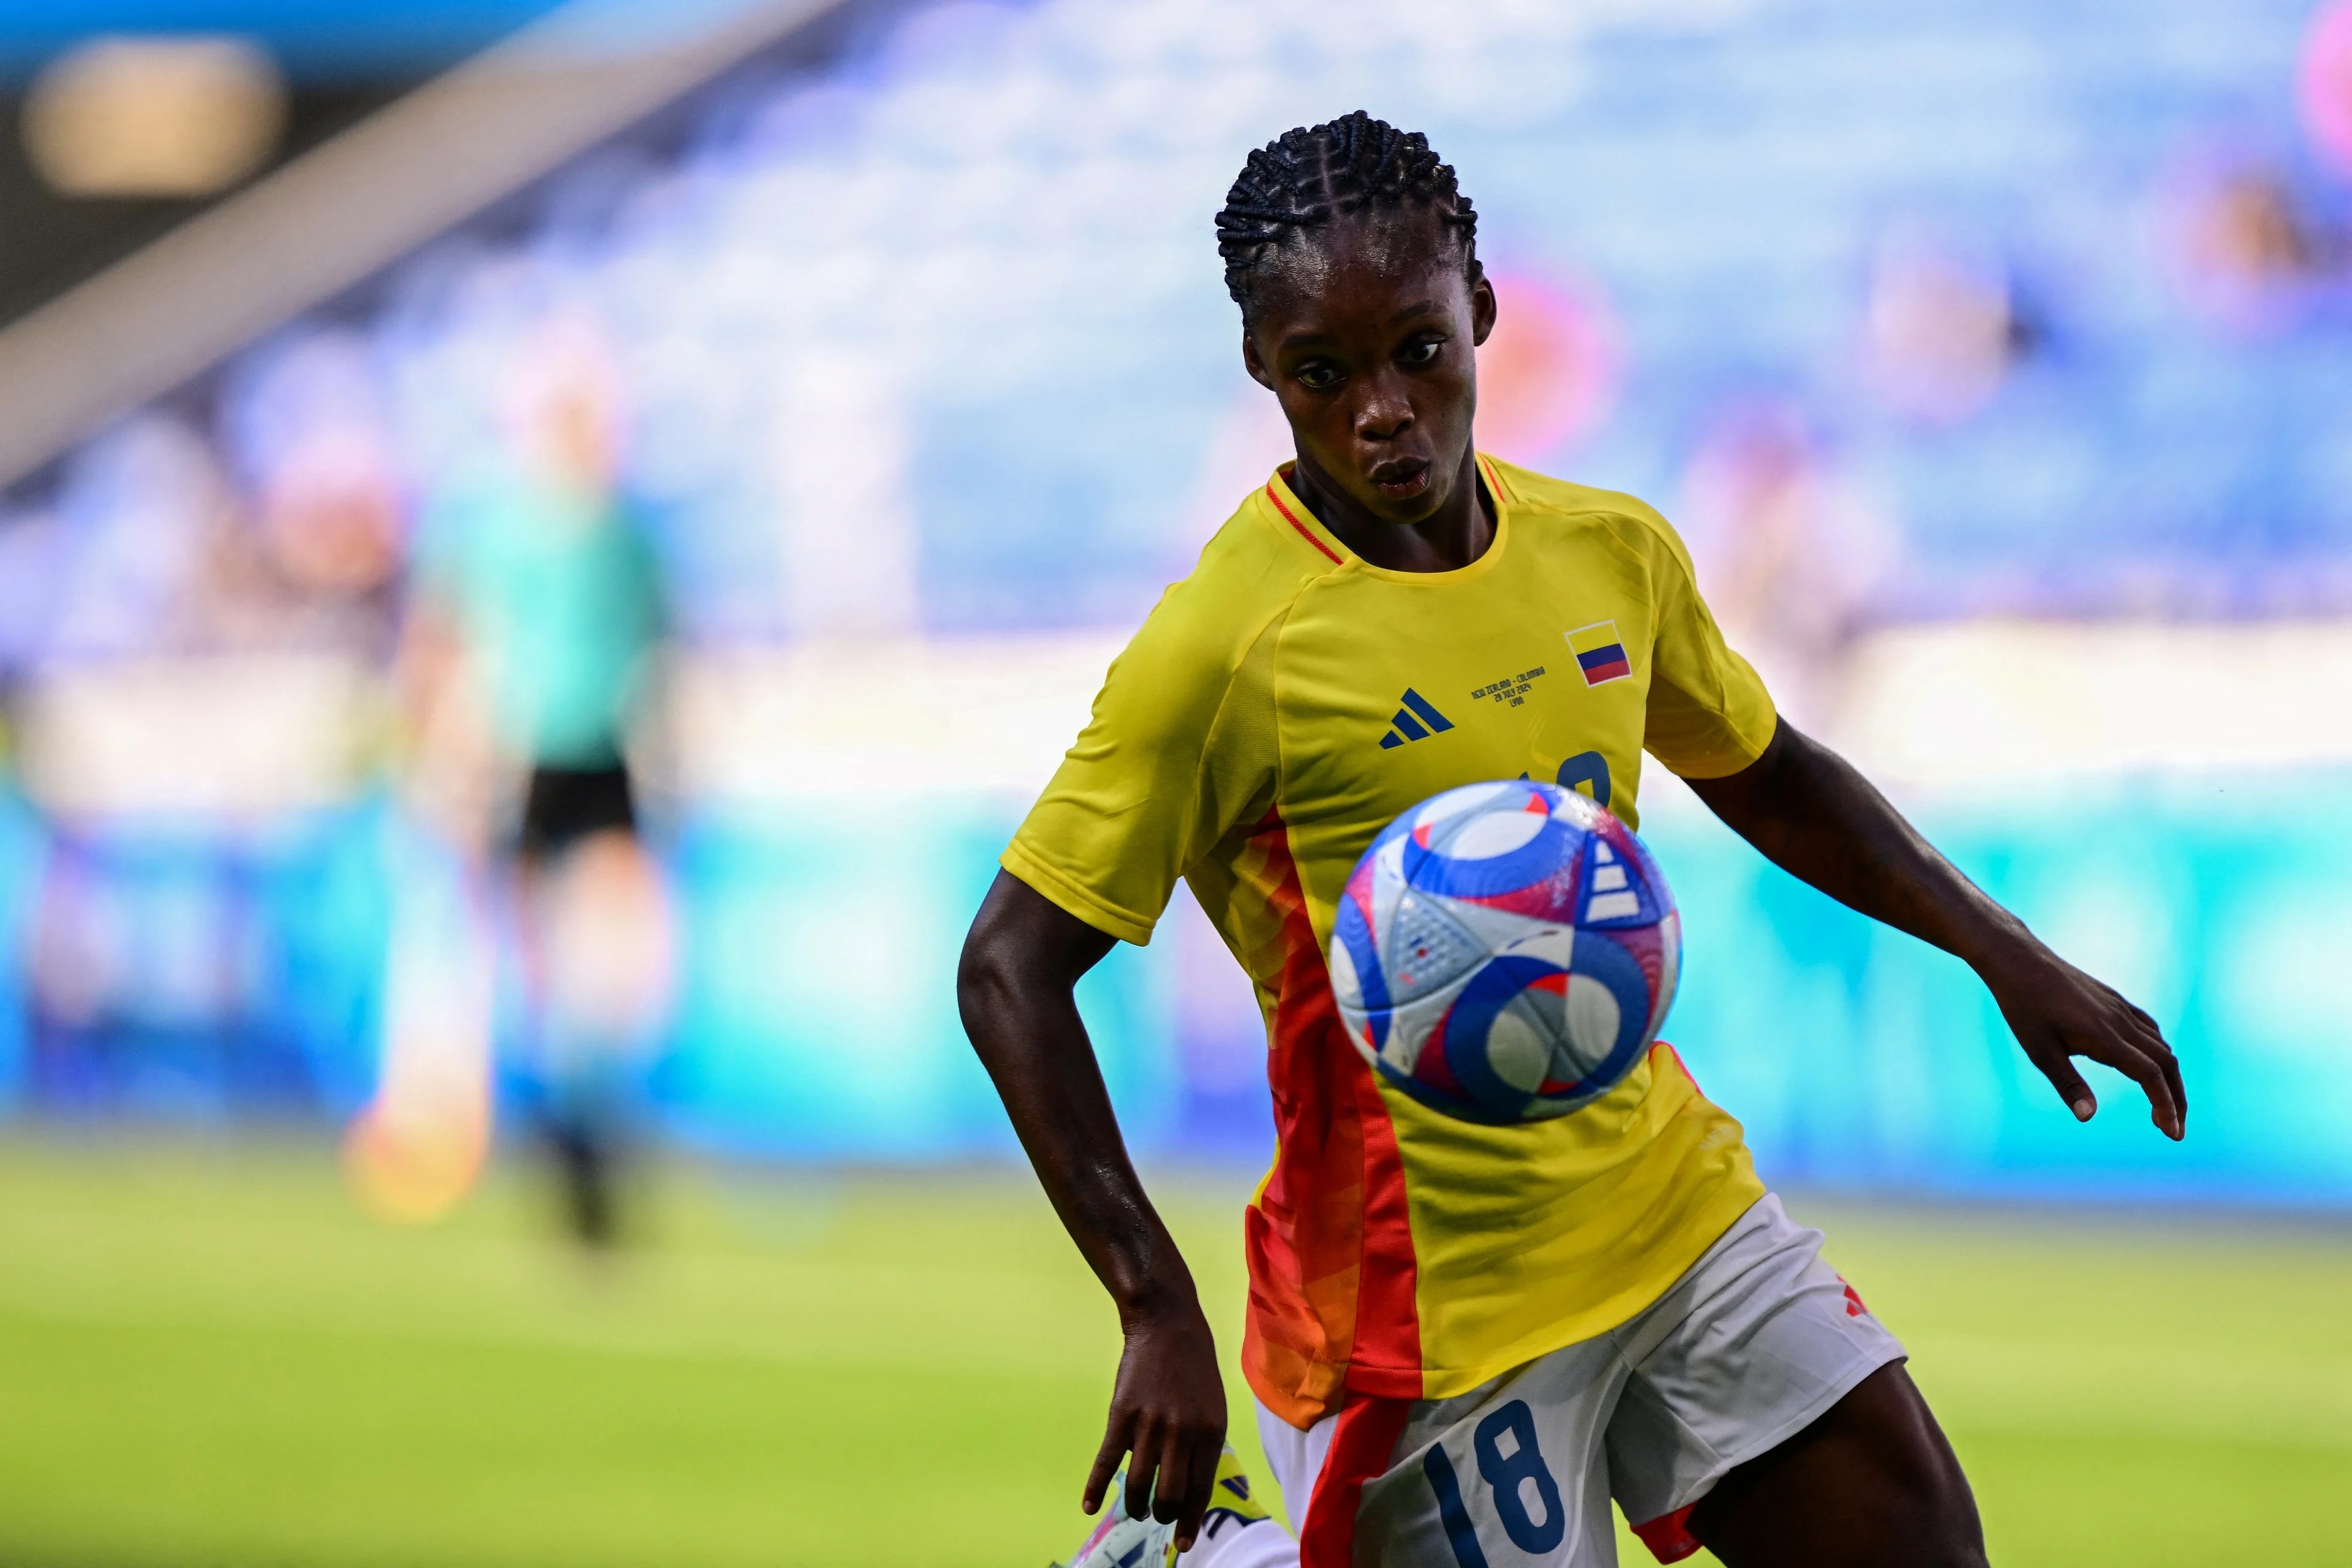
1313	175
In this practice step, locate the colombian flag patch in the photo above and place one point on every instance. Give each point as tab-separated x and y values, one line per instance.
1599	654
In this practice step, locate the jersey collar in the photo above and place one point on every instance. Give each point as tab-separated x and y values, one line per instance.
1289	514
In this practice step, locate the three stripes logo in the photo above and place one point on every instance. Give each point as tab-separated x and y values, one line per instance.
1416	720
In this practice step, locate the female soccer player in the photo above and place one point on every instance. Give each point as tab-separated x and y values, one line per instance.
1464	1339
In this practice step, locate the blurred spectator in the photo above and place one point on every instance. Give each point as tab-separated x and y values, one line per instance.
1547	374
1787	550
1940	325
143	984
2249	252
139	516
146	983
307	427
2324	84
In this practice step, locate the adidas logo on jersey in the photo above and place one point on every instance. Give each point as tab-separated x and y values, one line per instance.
1416	720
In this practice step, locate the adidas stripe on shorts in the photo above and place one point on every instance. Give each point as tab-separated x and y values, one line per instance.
1753	1343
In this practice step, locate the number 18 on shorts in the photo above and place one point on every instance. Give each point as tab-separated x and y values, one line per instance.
1747	1349
1520	1474
1520	1490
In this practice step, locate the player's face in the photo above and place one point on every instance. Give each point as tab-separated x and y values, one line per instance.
1365	333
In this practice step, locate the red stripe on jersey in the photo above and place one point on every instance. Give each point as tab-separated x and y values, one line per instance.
1362	1438
1681	1066
1304	532
1388	1316
1494	479
1332	1276
1668	1536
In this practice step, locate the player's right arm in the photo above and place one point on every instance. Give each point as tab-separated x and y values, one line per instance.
1021	962
1179	751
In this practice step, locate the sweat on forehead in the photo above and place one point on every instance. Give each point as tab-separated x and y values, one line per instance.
1362	259
1357	168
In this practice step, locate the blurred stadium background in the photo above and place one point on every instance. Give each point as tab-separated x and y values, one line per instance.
1992	357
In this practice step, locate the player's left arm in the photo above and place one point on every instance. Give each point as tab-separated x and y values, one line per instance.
1813	816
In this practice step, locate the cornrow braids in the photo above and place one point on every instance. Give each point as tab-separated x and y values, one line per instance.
1314	174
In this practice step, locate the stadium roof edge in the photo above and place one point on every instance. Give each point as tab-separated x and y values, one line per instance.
334	216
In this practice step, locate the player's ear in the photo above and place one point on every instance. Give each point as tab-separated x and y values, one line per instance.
1252	363
1482	306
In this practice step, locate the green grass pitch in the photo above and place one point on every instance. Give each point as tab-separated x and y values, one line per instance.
208	1357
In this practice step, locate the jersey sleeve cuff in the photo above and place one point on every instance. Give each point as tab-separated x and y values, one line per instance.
1056	888
1741	755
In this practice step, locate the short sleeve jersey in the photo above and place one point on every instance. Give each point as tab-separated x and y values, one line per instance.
1282	705
562	596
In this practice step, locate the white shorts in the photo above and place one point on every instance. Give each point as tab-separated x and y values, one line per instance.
1750	1346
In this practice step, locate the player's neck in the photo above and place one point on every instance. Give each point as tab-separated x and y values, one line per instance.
1452	537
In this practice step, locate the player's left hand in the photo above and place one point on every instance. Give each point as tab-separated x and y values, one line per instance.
2059	1013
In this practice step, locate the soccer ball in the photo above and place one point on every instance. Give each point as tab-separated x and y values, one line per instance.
1505	952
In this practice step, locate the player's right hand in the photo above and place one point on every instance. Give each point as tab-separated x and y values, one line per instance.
1167	1409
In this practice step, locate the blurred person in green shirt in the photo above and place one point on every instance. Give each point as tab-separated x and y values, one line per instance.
537	589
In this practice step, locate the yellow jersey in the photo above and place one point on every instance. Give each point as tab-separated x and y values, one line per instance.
1282	705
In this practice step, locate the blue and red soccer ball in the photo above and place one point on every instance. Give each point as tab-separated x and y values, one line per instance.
1505	952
